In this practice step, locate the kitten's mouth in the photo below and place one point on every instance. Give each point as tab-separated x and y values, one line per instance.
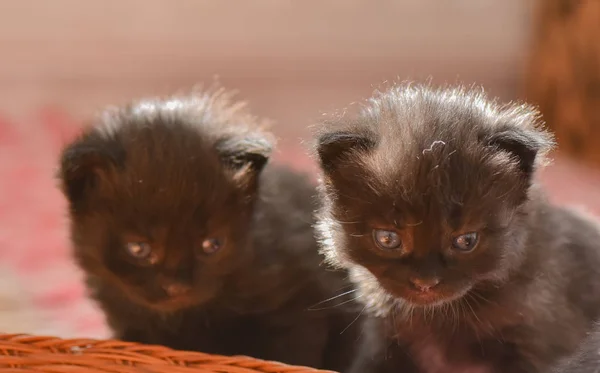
436	296
176	302
426	298
188	299
179	302
432	297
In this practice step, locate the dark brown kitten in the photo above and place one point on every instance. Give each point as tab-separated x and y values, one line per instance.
189	241
430	202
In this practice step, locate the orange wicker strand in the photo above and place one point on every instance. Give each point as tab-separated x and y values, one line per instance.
34	354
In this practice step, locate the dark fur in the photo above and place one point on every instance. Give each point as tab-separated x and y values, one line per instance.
173	173
433	163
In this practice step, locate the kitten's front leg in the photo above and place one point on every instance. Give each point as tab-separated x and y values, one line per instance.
302	344
400	362
376	355
504	356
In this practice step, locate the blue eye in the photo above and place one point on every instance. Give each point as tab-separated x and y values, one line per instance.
387	240
211	245
466	242
139	250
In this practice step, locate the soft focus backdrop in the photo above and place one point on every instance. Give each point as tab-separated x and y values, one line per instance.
62	60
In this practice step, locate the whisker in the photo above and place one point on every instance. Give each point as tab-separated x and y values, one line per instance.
334	306
353	321
455	318
346	286
462	308
472	310
478	320
334	297
482	298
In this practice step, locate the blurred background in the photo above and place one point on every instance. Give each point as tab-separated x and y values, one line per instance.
62	60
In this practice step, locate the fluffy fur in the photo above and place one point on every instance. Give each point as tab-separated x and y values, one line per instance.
429	165
587	358
170	179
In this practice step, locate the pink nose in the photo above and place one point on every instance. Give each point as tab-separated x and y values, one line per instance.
176	289
424	284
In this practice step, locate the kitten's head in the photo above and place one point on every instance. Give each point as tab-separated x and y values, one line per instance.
426	191
161	194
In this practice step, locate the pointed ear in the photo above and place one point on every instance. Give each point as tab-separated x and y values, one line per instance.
524	144
334	146
81	166
245	156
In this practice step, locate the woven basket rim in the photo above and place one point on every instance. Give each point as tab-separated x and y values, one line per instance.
33	353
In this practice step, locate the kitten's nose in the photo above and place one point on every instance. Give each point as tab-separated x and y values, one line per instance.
424	284
176	289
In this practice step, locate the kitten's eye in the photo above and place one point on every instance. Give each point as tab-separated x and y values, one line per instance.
211	245
387	240
466	242
139	250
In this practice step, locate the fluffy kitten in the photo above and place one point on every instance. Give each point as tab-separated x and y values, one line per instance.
189	241
430	202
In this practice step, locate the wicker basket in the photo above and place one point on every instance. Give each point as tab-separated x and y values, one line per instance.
23	353
564	74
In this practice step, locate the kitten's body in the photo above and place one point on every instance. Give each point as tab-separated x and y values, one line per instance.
432	165
173	174
524	326
587	358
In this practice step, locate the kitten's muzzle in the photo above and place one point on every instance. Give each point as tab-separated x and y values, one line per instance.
176	290
423	284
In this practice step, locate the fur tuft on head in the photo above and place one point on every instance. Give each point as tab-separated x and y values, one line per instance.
211	119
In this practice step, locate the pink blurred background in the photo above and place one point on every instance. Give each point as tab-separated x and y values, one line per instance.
62	60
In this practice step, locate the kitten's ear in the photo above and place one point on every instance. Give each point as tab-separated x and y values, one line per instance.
334	146
82	165
525	144
245	156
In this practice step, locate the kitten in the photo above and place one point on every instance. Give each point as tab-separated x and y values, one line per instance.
188	239
430	202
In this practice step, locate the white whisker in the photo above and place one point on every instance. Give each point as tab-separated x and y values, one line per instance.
353	321
334	297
